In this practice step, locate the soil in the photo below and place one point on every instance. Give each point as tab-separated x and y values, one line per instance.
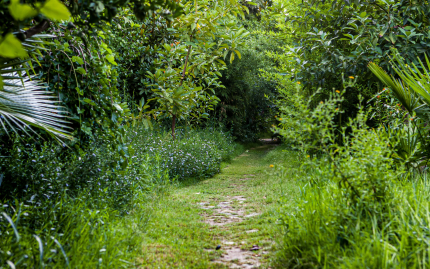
232	210
235	254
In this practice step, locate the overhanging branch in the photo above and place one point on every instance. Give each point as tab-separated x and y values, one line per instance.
42	26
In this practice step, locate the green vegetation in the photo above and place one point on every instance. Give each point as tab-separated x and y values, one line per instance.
80	210
183	237
123	123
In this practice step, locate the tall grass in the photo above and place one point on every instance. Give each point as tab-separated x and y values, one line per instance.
79	231
317	235
359	208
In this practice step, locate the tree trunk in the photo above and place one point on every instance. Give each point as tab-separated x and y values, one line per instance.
182	81
173	126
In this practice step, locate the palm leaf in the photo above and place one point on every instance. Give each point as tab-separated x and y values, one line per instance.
403	93
408	147
415	78
25	102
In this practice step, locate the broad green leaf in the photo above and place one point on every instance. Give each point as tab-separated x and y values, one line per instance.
118	107
77	59
221	61
99	6
81	70
231	57
11	47
79	91
167	47
89	101
21	11
392	38
111	59
141	102
55	10
225	53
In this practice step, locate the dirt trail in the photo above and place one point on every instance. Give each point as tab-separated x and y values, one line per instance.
236	254
230	212
227	221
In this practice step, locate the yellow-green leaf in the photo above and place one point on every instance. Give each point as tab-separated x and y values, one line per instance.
231	57
78	60
81	70
10	47
111	59
21	11
238	54
55	10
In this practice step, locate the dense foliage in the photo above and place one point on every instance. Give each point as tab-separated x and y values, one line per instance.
108	67
244	107
72	201
194	153
131	92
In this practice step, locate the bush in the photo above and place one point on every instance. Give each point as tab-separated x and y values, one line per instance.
194	153
358	207
71	210
46	170
75	208
61	207
317	236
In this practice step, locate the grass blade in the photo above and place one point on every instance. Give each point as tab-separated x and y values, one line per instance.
13	226
40	250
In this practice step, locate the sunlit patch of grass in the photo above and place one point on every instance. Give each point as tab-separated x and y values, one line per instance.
180	221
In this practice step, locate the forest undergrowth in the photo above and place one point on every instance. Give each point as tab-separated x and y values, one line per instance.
87	212
121	123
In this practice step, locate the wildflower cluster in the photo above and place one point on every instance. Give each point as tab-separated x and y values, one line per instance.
194	153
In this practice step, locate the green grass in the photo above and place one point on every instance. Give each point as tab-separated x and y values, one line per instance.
320	233
178	237
88	213
163	228
80	237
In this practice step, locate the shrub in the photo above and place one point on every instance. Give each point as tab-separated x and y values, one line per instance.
194	153
46	170
70	211
359	208
317	236
72	208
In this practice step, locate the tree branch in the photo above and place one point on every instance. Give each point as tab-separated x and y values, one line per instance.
42	26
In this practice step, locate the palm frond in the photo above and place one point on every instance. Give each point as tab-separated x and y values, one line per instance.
25	103
403	93
408	147
416	79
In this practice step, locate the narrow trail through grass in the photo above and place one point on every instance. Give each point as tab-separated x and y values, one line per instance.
236	209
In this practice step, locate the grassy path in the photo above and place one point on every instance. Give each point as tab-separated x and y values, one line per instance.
236	209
